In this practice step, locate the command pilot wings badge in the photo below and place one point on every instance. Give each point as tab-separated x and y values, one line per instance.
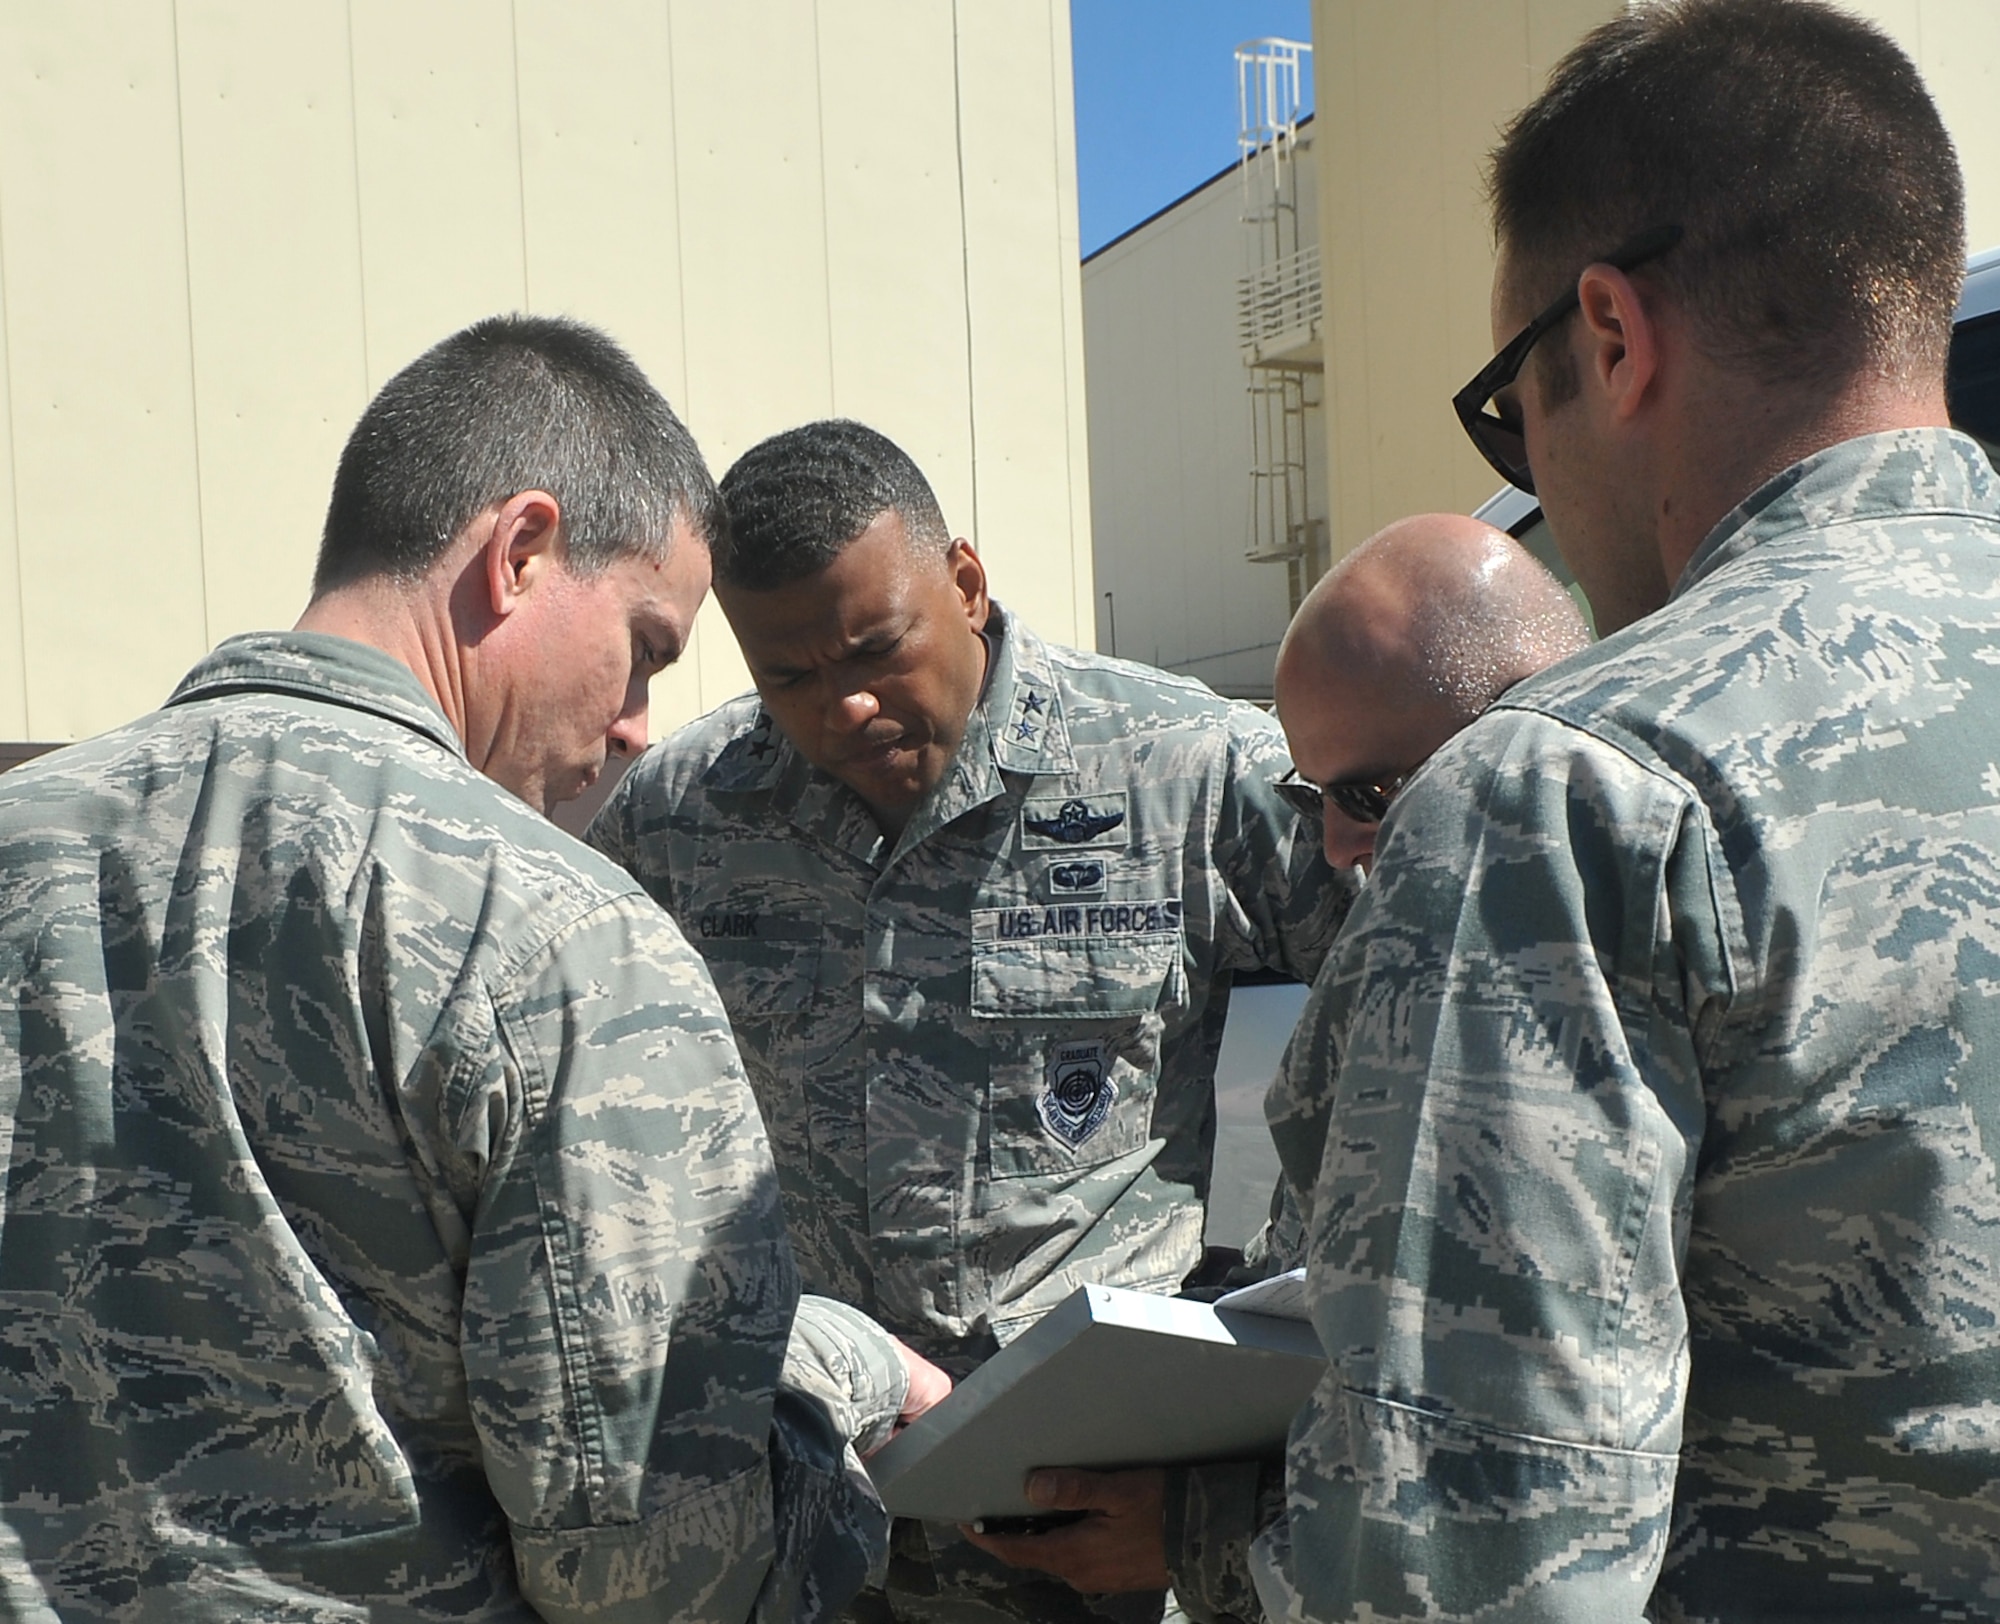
1076	821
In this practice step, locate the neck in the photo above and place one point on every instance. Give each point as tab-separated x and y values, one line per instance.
1728	454
405	622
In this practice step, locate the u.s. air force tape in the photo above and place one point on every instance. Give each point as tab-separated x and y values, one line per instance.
1077	920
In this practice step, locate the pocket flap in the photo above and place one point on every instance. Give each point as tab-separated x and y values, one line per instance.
1075	960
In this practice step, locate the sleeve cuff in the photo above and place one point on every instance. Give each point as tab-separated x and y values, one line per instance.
1214	1512
841	1358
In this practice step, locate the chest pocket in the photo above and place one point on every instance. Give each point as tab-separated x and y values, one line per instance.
765	959
1076	994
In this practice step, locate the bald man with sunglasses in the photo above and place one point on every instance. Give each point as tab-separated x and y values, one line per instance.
1402	644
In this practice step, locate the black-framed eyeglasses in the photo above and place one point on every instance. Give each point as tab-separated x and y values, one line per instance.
1500	441
1365	800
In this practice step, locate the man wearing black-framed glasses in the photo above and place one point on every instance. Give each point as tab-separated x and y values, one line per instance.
1647	1114
1485	406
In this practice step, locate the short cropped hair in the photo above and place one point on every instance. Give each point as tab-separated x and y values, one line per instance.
796	500
1819	194
512	404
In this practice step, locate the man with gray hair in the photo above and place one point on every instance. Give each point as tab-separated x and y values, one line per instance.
388	1229
1647	1116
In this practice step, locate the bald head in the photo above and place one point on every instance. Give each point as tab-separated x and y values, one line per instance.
1403	643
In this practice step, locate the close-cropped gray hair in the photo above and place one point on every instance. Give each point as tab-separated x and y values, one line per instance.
512	404
796	500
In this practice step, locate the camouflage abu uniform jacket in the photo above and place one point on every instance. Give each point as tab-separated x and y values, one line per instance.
388	1230
1650	1109
986	1052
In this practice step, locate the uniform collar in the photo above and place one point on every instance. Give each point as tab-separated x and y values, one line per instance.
761	761
1022	706
319	666
1875	476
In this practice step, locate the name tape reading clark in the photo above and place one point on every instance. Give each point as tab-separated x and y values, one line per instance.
1161	918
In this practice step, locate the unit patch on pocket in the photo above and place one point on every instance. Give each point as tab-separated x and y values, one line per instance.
1077	1092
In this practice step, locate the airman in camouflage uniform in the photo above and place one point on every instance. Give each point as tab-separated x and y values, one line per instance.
1401	645
389	1231
1647	1110
979	996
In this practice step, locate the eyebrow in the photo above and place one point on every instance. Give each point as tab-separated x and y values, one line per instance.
667	639
864	643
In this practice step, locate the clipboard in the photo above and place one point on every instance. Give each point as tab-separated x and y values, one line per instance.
1107	1378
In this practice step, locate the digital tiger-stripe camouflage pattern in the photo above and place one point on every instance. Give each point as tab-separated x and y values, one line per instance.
1650	1107
986	1050
388	1230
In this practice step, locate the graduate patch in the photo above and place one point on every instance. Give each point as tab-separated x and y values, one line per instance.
1077	1092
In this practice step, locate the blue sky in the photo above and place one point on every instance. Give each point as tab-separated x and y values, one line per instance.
1156	98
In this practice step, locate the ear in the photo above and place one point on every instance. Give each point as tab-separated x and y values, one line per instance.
968	575
523	543
1622	334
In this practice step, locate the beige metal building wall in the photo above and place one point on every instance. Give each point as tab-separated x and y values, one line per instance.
1170	443
224	223
1411	98
1956	45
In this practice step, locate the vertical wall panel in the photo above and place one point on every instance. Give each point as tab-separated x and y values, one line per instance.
597	166
1337	70
602	210
13	655
1015	272
1411	99
1956	44
895	235
1069	234
97	340
1959	51
437	152
766	204
274	272
1170	445
747	147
